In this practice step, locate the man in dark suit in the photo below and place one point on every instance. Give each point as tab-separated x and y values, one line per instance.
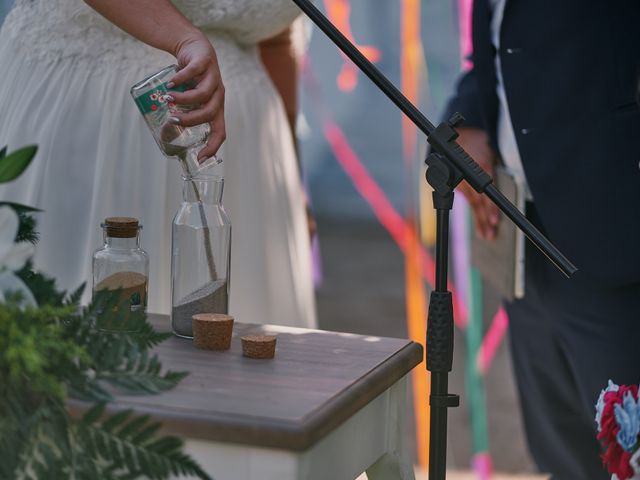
552	94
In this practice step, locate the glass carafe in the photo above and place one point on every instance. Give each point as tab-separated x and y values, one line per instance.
200	253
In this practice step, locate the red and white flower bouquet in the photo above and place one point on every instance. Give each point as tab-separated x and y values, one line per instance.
618	421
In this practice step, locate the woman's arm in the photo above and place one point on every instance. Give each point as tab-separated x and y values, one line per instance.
159	24
280	60
155	22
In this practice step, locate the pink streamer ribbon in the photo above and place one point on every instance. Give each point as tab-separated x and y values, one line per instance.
492	341
482	466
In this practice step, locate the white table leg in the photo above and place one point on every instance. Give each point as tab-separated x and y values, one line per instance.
371	440
239	462
390	467
394	464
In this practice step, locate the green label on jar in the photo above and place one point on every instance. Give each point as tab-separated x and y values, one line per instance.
131	288
156	99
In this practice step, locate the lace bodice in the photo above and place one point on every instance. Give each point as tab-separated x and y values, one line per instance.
246	21
55	30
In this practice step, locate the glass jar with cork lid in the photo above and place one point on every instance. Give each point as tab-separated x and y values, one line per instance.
121	264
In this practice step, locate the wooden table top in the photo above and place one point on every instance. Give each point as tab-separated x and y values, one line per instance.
317	380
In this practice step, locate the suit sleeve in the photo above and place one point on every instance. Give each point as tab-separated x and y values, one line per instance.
468	101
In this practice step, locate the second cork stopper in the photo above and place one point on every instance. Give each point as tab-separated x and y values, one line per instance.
259	346
212	331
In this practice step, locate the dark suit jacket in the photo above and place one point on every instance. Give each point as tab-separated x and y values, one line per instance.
570	70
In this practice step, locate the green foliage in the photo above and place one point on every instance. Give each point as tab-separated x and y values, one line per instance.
56	352
60	352
12	165
43	287
27	229
132	441
31	343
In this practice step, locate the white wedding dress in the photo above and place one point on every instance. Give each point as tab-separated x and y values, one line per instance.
66	75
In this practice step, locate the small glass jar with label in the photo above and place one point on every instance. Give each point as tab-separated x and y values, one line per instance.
153	98
121	264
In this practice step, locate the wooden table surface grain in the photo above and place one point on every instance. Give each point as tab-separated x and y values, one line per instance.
317	380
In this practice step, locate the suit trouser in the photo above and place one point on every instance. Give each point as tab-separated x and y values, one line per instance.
568	338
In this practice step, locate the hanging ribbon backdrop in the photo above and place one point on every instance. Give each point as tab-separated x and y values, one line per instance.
415	231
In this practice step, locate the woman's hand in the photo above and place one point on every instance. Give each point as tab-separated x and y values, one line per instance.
486	215
199	66
159	24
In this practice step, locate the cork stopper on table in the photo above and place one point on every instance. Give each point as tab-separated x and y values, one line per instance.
212	331
259	346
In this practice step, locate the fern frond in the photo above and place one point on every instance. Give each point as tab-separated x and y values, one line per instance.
26	222
43	288
44	447
74	297
107	314
13	415
141	377
89	390
129	446
27	229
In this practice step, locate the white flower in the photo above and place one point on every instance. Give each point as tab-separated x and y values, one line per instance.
612	387
12	255
11	283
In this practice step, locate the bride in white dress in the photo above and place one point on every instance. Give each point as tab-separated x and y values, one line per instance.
66	74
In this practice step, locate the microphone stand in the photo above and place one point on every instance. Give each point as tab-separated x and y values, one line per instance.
447	166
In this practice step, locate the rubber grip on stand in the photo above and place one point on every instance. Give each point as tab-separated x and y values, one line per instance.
440	333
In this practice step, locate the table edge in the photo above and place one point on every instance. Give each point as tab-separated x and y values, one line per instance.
282	434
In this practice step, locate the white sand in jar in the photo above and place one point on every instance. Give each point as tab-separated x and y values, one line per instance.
212	298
